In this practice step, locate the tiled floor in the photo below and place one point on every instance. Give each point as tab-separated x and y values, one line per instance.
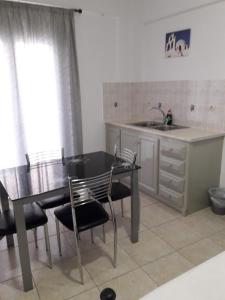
169	245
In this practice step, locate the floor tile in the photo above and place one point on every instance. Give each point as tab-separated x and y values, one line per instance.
205	222
98	263
13	290
85	242
197	238
39	257
147	199
10	266
218	238
61	282
123	228
157	214
93	294
167	268
149	248
177	233
131	286
201	251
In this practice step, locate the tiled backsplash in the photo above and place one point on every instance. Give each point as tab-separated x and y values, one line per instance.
136	99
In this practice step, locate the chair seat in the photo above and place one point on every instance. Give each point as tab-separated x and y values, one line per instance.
87	216
34	217
119	191
53	202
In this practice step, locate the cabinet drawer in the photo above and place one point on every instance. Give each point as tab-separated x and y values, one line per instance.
173	149
174	183
171	197
172	166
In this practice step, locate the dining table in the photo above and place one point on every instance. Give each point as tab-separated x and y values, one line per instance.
26	184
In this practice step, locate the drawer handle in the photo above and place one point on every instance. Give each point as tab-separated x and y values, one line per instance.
168	181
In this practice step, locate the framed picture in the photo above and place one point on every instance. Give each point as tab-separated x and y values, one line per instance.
178	43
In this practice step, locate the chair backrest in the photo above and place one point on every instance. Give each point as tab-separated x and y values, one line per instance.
90	189
126	154
42	157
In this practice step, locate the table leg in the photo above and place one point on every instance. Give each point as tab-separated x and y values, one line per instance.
23	246
135	207
5	206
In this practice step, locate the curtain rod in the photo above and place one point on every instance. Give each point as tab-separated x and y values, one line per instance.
76	10
181	12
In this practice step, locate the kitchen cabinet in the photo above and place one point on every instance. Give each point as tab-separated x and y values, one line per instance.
148	160
187	170
146	147
112	139
177	173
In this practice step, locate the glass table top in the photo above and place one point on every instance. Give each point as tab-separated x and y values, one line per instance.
21	182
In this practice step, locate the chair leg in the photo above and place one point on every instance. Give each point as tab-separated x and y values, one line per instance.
79	257
122	208
115	235
92	236
58	236
47	241
103	233
115	243
46	247
35	237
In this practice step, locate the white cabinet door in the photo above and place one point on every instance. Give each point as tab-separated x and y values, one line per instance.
112	139
148	160
146	148
130	140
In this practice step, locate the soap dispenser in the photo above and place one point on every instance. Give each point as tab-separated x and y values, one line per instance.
169	118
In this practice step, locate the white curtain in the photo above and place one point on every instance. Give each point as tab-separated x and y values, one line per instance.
40	105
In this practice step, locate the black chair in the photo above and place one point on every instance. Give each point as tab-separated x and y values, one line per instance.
41	158
120	190
34	217
85	210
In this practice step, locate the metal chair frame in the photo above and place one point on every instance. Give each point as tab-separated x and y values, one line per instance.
47	240
36	159
44	157
129	157
83	191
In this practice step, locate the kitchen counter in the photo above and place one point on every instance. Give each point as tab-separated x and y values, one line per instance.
174	164
185	134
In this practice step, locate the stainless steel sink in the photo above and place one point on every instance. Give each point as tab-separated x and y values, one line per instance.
157	125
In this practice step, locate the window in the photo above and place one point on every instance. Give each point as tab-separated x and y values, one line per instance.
40	106
38	110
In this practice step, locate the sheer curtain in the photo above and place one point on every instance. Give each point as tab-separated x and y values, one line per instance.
40	105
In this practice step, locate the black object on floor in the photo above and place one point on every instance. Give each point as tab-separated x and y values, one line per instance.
108	294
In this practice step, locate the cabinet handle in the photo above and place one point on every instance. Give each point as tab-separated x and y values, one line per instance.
168	181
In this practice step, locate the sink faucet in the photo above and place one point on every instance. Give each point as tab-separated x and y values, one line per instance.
160	109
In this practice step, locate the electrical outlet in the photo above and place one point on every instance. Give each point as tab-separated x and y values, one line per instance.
212	108
192	107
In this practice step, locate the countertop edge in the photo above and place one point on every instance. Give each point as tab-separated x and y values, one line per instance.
209	134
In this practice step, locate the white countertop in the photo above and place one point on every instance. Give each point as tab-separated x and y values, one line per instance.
184	134
204	282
